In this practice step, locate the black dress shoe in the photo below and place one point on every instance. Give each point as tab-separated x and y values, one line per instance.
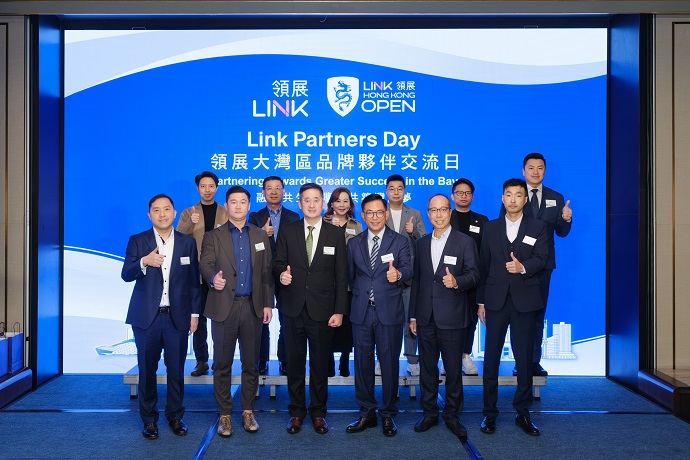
537	370
263	368
294	425
150	431
362	424
282	369
201	368
457	428
345	365
488	425
320	425
389	428
526	424
425	423
178	427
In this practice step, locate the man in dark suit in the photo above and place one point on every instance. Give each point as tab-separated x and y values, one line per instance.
445	269
270	219
163	311
311	265
471	224
237	264
378	266
196	221
514	252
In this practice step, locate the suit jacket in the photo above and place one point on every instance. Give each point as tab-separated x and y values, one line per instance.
260	217
551	213
388	296
184	291
217	254
495	282
476	220
450	307
186	226
321	286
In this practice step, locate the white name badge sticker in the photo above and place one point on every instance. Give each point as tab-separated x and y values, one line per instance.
529	240
474	229
550	203
350	231
184	260
259	247
329	250
387	258
450	260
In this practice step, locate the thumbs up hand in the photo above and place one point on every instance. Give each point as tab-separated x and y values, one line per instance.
153	259
286	277
449	280
268	228
392	274
409	226
219	282
195	215
567	212
514	266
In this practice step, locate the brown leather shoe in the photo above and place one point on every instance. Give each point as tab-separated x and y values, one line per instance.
201	368
225	426
249	422
320	425
294	425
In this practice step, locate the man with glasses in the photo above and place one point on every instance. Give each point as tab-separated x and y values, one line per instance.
379	265
446	268
471	224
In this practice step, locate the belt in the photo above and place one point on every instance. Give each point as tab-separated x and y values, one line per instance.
242	298
164	310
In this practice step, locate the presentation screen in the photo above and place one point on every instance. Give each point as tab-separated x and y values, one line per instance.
145	111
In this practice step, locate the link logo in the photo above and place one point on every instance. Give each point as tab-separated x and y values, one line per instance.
343	94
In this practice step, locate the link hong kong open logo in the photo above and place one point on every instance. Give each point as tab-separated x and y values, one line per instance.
343	94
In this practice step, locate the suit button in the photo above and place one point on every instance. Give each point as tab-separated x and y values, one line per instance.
233	290
235	275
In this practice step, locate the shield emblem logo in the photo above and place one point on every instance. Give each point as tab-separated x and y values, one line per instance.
343	94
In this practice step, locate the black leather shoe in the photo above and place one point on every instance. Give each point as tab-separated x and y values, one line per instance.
362	424
178	427
425	423
389	428
201	368
263	368
457	428
345	368
150	431
526	424
282	369
537	370
488	425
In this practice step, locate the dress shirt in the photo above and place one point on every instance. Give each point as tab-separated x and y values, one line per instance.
512	228
275	220
437	246
539	191
243	254
314	235
370	239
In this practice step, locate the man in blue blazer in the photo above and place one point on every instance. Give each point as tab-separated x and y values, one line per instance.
379	265
163	311
514	252
444	272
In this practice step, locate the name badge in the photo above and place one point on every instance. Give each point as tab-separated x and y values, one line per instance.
329	250
529	240
450	260
350	231
550	203
184	260
474	229
387	258
259	247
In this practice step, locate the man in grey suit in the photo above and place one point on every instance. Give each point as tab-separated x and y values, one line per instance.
408	222
236	262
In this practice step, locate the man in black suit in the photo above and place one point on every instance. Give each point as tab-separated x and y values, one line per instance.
471	224
270	219
446	268
514	251
311	266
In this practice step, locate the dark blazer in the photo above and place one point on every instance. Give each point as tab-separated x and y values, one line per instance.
495	282
185	291
388	296
476	220
217	254
260	217
450	307
322	286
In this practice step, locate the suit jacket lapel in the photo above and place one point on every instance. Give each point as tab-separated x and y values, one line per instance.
226	246
151	241
517	244
503	236
177	251
302	243
364	249
317	249
446	248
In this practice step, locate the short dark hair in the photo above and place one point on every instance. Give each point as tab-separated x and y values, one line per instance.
335	195
308	186
237	189
198	177
434	196
269	178
373	197
396	177
534	156
462	180
515	183
160	195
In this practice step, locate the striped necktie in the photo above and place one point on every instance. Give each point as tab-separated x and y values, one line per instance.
310	243
372	261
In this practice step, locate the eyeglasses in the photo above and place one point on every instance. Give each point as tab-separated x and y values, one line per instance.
441	210
462	193
370	214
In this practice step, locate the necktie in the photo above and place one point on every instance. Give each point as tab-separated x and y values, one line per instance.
535	202
372	261
310	243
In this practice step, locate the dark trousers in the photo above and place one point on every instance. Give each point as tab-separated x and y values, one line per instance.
297	332
150	342
521	340
241	324
472	326
200	338
447	343
387	340
544	284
